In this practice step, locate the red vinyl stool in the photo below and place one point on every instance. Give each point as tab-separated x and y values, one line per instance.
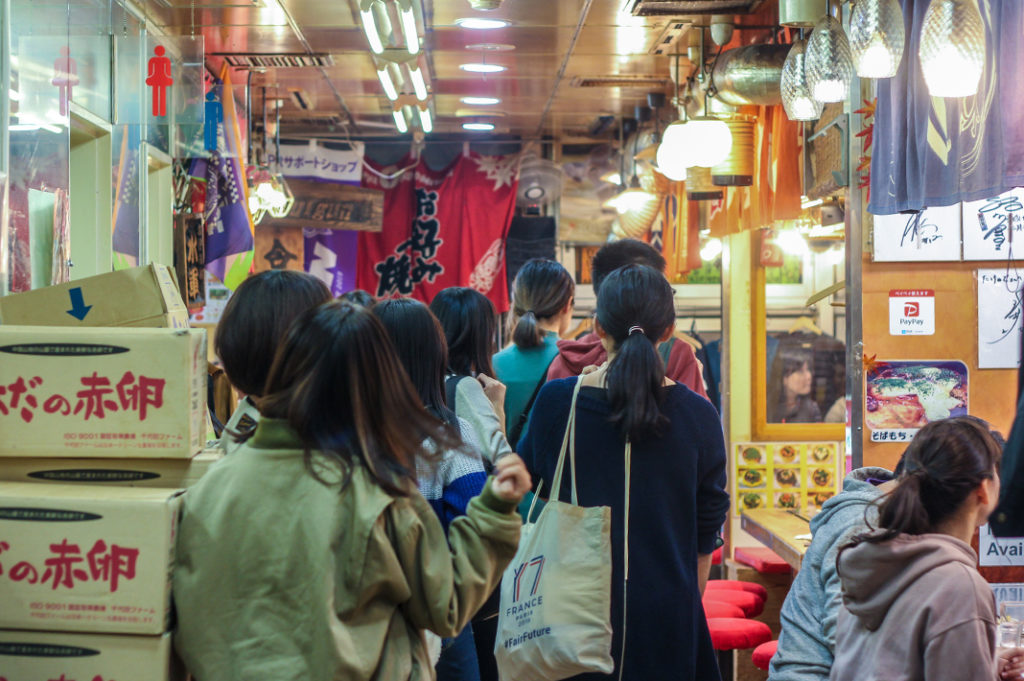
731	633
749	603
762	559
763	654
716	556
722	609
716	585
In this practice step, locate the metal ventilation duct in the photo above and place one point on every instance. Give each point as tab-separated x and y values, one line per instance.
277	61
676	8
625	80
750	75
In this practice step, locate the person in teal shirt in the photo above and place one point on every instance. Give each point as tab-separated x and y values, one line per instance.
542	300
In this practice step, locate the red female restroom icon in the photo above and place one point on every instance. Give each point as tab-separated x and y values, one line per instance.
65	77
159	79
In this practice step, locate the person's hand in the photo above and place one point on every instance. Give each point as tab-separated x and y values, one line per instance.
1011	663
511	479
591	368
493	388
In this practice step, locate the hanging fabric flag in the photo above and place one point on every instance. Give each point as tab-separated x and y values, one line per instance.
441	228
935	151
229	229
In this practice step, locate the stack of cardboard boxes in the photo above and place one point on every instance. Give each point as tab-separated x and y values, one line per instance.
101	427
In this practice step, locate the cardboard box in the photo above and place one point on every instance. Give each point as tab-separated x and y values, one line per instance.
86	558
106	393
137	297
168	473
50	656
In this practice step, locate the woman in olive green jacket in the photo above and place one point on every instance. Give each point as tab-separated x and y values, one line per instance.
309	555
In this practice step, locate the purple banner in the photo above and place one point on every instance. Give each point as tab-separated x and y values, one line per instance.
330	256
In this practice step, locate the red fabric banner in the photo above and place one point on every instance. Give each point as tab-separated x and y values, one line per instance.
441	228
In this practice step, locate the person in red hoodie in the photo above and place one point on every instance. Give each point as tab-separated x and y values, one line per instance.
576	355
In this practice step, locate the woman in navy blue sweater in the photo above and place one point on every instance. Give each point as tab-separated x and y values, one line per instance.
677	480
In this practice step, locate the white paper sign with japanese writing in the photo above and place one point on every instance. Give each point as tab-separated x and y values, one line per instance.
931	235
316	162
999	551
912	312
999	318
994	228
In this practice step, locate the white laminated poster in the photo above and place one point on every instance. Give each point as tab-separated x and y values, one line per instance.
999	318
994	228
999	551
929	236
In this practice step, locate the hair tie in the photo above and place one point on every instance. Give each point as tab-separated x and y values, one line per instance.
636	329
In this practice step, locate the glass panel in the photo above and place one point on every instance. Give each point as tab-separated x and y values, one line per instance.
127	136
89	56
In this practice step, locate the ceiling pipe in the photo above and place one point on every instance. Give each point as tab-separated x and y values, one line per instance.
750	75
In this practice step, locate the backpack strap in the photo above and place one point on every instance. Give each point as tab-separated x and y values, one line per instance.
665	350
524	416
451	384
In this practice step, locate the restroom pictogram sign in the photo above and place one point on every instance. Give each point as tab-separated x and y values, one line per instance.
159	79
912	312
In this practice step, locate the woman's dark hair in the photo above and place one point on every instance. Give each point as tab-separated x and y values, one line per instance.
469	324
358	296
944	464
611	257
255	320
338	383
421	348
636	309
788	359
541	290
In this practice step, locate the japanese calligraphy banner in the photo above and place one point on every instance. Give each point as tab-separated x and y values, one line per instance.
107	575
45	655
102	392
314	161
279	248
442	228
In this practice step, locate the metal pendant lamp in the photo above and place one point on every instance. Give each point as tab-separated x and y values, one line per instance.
829	61
952	49
877	37
796	95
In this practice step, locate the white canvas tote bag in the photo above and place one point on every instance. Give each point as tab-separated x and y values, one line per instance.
555	616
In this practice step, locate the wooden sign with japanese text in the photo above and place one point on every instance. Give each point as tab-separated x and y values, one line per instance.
190	259
329	205
278	248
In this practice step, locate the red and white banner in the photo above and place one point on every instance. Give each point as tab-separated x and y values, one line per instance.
442	228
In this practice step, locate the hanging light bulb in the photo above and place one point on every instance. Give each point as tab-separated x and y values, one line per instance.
952	48
673	153
829	61
877	37
796	95
710	141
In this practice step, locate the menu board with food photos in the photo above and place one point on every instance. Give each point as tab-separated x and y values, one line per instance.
794	475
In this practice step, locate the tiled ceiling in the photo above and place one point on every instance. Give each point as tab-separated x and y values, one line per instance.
586	37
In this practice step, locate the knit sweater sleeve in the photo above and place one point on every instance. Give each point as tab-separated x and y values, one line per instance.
462	477
472	405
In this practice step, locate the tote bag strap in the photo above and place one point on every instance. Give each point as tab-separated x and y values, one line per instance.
570	434
625	558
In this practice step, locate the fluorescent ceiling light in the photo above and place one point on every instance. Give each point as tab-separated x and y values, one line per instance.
425	122
412	38
370	29
483	68
481	24
478	126
400	123
418	86
384	74
481	101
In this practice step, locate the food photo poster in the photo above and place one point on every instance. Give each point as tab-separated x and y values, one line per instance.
791	476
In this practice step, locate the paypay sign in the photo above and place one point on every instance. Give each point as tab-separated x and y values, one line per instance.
911	312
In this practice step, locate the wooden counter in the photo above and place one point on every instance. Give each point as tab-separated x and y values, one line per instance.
778	530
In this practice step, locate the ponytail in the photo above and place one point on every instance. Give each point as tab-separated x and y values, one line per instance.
635	308
541	290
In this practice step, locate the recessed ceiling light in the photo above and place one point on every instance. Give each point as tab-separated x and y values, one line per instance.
483	127
491	47
483	68
480	101
481	24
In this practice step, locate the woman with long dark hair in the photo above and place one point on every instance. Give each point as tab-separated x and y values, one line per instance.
542	298
676	479
914	605
470	328
792	377
310	554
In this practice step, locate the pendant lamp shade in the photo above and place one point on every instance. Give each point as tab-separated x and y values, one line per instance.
710	141
673	152
952	49
829	61
877	37
796	95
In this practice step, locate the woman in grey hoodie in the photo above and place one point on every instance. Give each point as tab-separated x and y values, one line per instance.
914	606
